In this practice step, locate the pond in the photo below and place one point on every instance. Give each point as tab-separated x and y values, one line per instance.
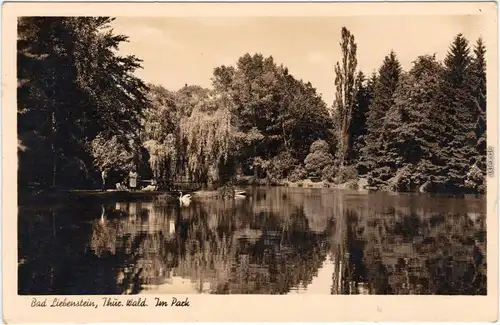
277	240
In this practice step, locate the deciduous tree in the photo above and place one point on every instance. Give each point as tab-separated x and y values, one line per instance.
345	95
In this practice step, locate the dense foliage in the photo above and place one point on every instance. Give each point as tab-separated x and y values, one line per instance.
82	115
426	128
73	89
258	120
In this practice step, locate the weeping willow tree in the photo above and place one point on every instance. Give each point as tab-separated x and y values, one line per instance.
161	134
211	138
163	158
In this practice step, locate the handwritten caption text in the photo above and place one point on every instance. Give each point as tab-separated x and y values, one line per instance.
109	302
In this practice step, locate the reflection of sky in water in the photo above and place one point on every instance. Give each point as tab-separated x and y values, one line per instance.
178	285
276	241
321	283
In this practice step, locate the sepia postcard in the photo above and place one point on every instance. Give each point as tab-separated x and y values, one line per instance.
171	162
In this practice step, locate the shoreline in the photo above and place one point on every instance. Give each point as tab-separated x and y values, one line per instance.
79	195
50	197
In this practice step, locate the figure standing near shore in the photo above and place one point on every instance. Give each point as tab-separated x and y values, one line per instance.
132	179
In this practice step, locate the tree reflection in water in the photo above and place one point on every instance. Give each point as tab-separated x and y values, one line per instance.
402	250
277	241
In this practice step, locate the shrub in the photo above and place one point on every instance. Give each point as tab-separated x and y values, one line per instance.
318	158
328	174
316	161
280	166
299	173
319	145
346	173
352	185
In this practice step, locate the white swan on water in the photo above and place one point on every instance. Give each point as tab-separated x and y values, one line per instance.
185	199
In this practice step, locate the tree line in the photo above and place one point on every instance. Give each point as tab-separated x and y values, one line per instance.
85	118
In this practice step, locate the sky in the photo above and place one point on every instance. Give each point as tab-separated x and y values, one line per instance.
178	51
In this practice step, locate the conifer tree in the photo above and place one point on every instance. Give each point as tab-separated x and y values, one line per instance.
479	77
359	115
370	86
413	127
385	86
459	140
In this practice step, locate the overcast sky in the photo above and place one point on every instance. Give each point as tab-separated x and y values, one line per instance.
177	51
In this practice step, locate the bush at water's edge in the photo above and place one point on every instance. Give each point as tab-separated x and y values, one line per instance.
353	184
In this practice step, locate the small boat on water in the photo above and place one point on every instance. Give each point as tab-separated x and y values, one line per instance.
240	194
150	188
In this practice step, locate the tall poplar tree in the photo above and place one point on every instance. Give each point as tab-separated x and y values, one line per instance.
345	95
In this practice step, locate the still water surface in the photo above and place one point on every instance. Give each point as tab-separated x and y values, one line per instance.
276	241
